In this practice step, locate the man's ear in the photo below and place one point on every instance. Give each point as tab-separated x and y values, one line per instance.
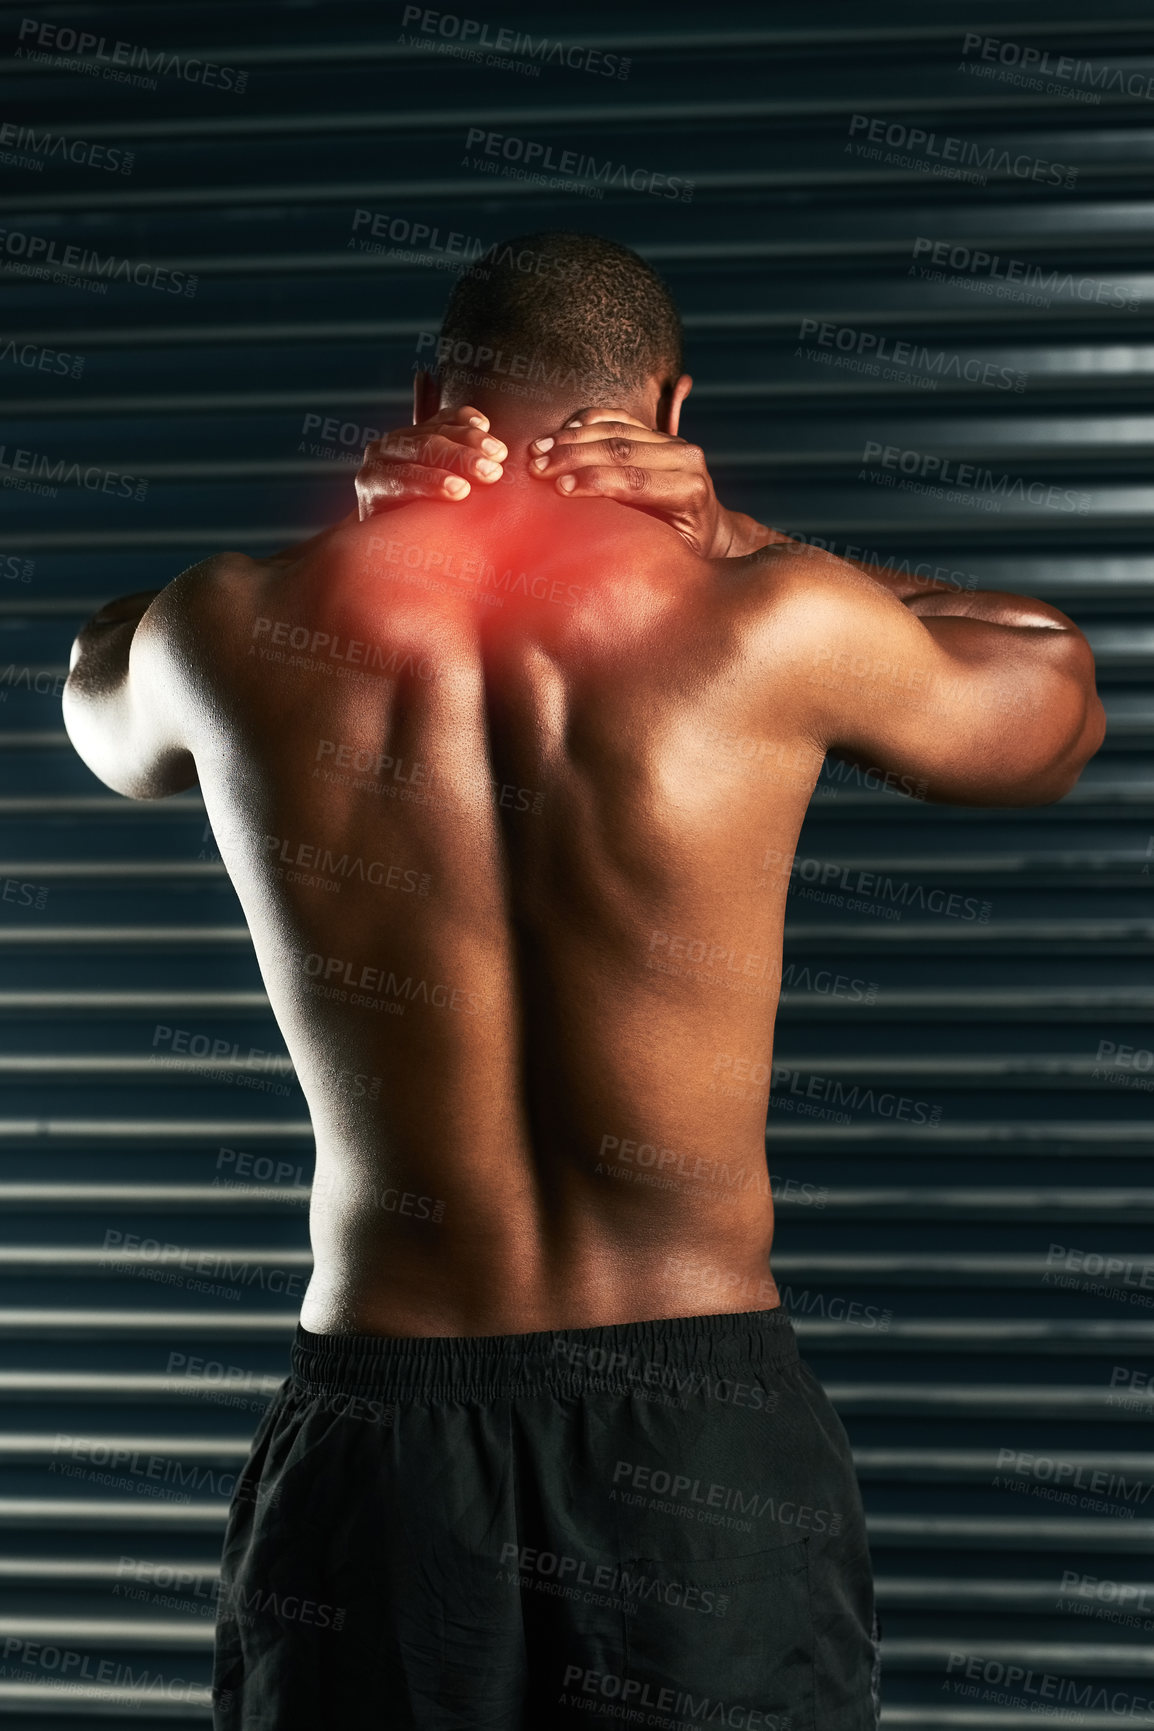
426	396
669	407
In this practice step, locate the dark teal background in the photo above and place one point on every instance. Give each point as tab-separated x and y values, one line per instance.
983	1127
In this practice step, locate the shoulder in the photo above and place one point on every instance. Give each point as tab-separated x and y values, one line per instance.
189	614
799	592
218	581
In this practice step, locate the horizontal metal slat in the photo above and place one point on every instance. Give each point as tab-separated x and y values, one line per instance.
162	1198
975	1466
159	1130
980	1270
190	1703
127	1631
1067	1534
1082	1658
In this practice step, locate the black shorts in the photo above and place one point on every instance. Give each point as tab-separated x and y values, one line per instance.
652	1524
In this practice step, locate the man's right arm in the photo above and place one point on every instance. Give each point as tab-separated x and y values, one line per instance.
984	698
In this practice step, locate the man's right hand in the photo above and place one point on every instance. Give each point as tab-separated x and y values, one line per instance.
438	459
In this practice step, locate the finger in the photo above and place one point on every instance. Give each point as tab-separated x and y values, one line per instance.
461	450
631	484
671	454
461	435
475	416
599	429
381	490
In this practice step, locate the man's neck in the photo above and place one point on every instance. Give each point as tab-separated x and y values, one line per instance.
519	421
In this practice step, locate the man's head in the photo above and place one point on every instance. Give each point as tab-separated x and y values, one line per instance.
546	324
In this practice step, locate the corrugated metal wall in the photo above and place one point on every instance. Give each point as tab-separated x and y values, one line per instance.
960	976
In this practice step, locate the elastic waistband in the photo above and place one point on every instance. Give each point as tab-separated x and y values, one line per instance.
669	1352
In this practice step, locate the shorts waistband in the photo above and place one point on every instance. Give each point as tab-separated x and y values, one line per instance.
622	1355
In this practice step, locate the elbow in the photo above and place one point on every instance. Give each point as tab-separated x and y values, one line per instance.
1085	739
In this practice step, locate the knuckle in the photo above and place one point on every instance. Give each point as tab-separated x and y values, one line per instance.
620	449
635	479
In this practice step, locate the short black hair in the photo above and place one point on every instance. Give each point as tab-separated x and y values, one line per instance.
585	312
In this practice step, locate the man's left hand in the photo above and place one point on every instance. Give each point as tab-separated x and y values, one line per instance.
608	454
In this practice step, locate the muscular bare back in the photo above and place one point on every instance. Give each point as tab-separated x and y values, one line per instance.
477	780
509	795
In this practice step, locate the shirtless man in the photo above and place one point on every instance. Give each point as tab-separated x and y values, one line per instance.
548	1456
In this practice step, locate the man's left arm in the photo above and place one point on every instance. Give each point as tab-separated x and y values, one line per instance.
118	698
